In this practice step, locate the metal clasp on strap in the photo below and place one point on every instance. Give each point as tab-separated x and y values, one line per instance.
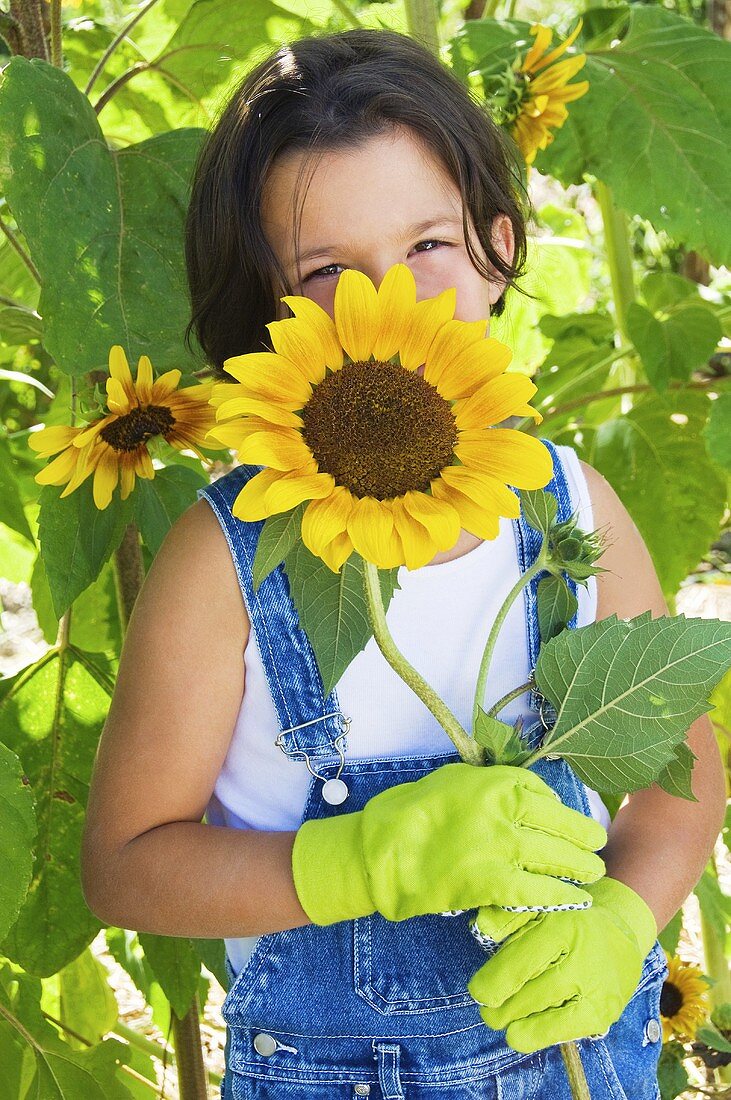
334	790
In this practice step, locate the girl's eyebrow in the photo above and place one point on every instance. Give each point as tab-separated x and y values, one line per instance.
450	219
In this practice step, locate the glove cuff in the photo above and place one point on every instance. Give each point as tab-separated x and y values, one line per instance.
628	907
329	871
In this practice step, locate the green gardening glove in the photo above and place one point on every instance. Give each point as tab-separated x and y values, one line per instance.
460	837
568	975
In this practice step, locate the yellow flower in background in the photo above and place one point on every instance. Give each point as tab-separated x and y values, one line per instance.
114	448
545	90
381	419
683	1000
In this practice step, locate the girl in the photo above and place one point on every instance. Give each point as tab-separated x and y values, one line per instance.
349	967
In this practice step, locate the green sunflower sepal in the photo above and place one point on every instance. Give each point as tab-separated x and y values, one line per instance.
501	742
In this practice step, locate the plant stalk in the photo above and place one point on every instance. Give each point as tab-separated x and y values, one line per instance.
619	257
523	580
466	746
508	698
575	1071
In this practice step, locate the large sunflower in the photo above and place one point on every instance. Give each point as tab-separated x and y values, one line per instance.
683	1000
544	88
381	419
114	448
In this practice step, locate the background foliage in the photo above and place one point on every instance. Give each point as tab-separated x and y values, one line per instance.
626	335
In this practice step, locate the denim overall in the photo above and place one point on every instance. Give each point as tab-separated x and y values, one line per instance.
374	1008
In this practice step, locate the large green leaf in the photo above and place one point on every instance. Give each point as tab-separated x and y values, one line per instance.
176	964
16	837
653	123
675	345
626	692
105	228
82	999
332	608
51	715
278	536
654	457
11	505
159	501
718	431
77	538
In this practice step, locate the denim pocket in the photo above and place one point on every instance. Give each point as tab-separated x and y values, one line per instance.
417	965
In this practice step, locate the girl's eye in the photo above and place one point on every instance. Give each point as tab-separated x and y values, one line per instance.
327	272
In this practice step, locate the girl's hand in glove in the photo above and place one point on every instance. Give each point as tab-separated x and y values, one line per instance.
461	837
565	976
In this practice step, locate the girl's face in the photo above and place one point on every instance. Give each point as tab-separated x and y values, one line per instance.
387	201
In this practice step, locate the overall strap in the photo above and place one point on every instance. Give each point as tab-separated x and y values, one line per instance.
311	727
528	543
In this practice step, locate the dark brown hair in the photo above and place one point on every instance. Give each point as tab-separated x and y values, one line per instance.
320	94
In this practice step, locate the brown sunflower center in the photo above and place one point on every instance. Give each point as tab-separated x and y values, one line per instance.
671	1000
137	426
379	430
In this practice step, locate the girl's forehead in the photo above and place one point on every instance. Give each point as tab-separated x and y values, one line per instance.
382	186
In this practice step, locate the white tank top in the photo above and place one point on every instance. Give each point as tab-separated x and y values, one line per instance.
439	618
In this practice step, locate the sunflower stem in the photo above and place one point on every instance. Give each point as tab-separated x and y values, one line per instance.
619	257
575	1071
466	746
421	22
520	584
508	698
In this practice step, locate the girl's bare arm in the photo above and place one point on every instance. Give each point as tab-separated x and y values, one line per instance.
148	862
658	844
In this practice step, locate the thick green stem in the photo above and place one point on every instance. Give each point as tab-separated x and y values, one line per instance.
715	961
575	1071
500	618
421	21
619	257
466	746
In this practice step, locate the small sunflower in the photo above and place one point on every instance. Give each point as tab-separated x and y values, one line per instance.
114	448
381	419
544	90
683	1000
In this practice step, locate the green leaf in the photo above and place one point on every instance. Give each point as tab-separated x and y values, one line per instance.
212	953
332	608
16	837
655	459
713	1038
11	505
717	432
76	539
672	348
43	602
277	538
670	934
626	692
671	1074
160	500
675	778
500	740
87	1002
104	227
653	125
715	905
539	509
556	606
176	965
51	715
19	325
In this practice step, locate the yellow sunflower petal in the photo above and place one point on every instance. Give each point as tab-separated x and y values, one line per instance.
561	48
337	552
106	476
356	313
370	526
252	503
292	488
487	491
475	366
117	400
543	36
508	455
496	400
280	448
418	545
126	480
427	318
143	382
473	517
439	519
93	430
143	463
119	369
301	344
229	435
278	380
164	385
266	410
325	520
396	301
59	470
320	322
449	345
47	441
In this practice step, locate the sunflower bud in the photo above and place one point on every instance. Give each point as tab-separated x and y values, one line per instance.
573	551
